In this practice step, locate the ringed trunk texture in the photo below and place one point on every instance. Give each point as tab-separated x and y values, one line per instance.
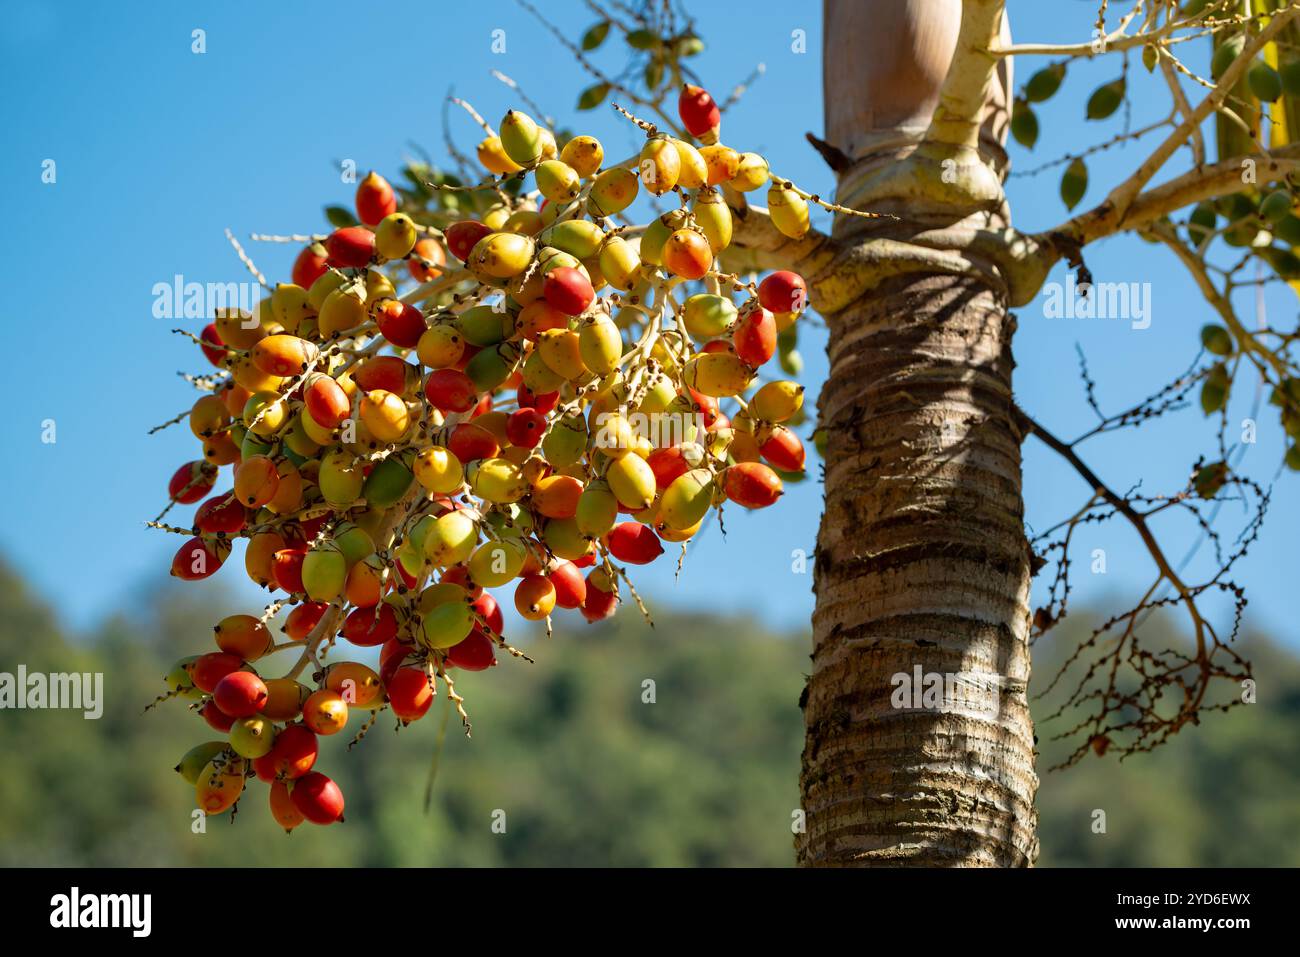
922	567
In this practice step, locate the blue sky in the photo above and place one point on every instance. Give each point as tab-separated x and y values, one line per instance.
158	150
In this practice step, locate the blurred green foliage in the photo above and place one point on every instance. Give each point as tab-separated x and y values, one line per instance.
585	772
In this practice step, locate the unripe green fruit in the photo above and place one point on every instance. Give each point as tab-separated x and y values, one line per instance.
714	218
197	757
600	344
340	480
485	325
549	257
708	316
499	481
565	539
632	481
717	374
496	563
451	539
580	238
1216	339
751	174
557	181
252	737
1276	206
354	542
447	624
521	138
343	309
597	510
500	256
540	377
776	401
789	211
491	367
290	306
1264	81
324	572
656	235
619	263
687	499
387	483
326	283
566	440
613	191
395	236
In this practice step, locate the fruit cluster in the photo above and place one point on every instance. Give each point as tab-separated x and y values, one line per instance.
542	409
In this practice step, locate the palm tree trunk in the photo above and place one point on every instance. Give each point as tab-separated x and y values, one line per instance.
922	567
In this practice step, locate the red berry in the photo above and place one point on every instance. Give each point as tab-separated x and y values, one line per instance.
221	513
208	670
388	373
326	402
462	237
350	247
755	336
240	694
700	114
598	604
310	265
375	199
409	693
634	543
784	450
286	568
368	627
217	719
524	428
783	291
568	290
667	464
197	559
469	442
210	334
475	653
294	751
318	798
486	607
543	403
400	323
450	391
191	482
391	657
304	618
751	484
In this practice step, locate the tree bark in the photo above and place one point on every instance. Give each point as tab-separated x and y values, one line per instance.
921	560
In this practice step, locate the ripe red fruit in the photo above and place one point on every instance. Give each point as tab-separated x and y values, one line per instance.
543	403
568	290
318	798
391	657
524	428
783	291
426	250
368	627
350	247
755	336
486	607
400	323
197	559
598	604
240	694
219	515
409	693
634	543
784	450
209	669
459	575
217	719
667	464
375	199
450	391
700	114
191	482
383	372
475	653
282	806
751	484
210	334
469	442
309	266
294	752
462	237
326	402
286	568
707	406
304	618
